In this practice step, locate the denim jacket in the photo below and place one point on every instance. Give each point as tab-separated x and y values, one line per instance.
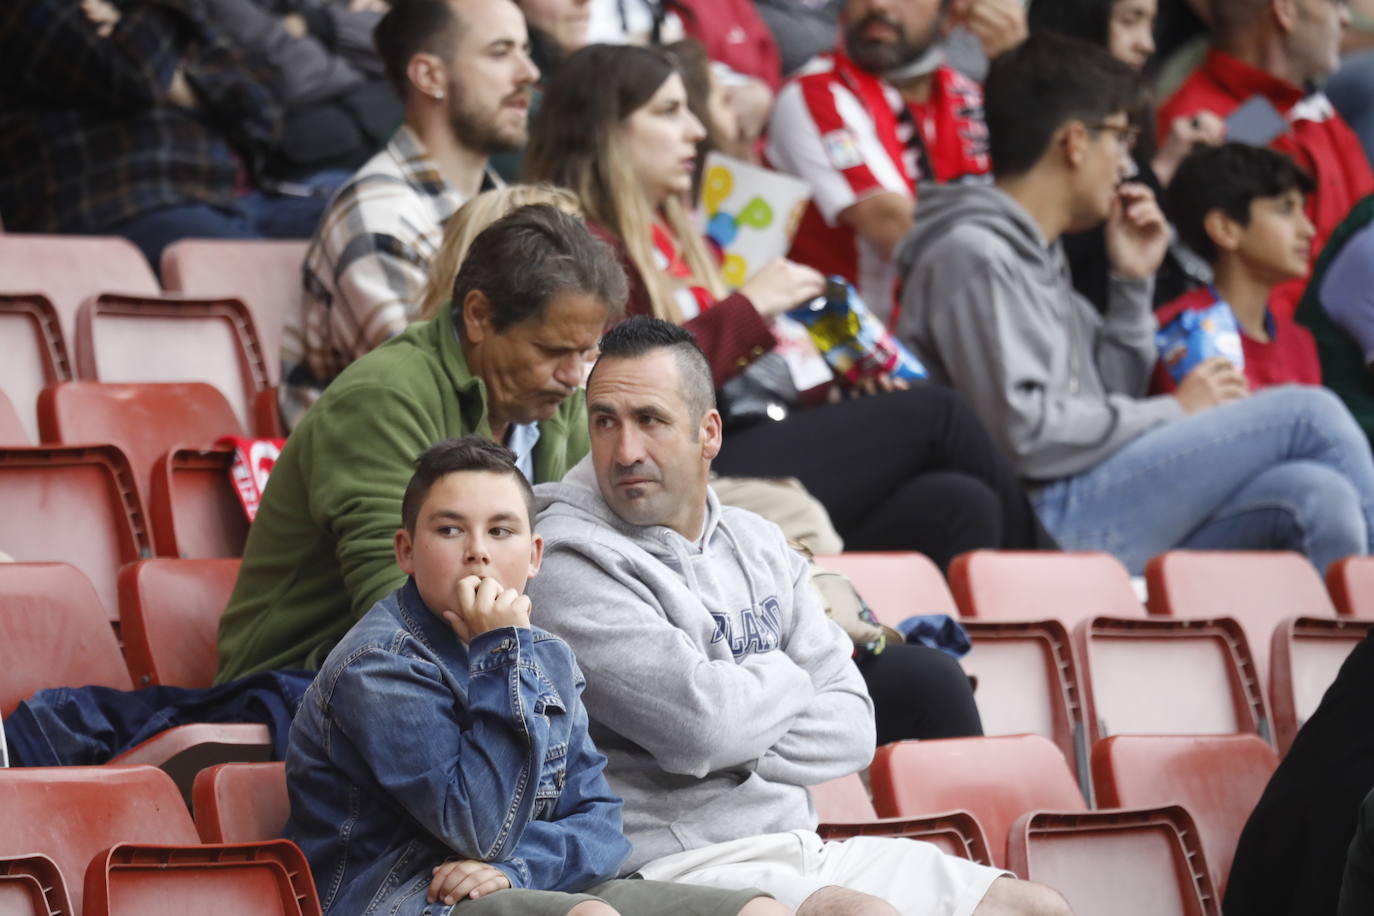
410	748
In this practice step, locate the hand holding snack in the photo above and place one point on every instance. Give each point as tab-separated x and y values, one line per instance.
1211	383
780	285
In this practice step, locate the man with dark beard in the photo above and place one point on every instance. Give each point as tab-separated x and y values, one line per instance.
463	69
865	124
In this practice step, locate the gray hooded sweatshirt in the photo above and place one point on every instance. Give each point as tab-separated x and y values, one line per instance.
990	309
716	686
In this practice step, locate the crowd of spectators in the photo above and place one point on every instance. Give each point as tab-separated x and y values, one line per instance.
1024	197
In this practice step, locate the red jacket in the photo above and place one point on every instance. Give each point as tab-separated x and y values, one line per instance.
1318	139
1289	358
733	33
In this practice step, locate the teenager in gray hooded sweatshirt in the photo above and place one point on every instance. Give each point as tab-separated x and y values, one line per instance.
989	307
716	687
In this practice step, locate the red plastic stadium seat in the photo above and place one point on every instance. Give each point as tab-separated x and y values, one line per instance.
1029	683
36	356
1258	588
71	814
1126	863
1218	778
33	886
73	504
53	633
241	802
143	419
1305	658
266	275
1169	677
170	612
842	800
846	811
1351	584
895	585
12	431
196	512
995	779
1042	585
254	879
151	339
69	269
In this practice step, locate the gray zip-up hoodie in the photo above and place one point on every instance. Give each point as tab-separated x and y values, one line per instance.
990	309
716	686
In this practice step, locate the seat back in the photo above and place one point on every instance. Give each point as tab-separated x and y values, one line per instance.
1029	683
1169	677
1258	588
170	612
33	886
842	800
36	356
995	779
1306	656
1350	582
196	512
256	879
74	504
70	814
69	269
1218	778
1127	863
144	419
894	585
12	429
1042	585
242	802
162	339
53	633
266	275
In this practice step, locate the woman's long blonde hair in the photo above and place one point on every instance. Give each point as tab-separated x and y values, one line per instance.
576	142
471	218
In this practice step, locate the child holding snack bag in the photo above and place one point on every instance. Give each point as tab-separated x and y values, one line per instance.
1241	207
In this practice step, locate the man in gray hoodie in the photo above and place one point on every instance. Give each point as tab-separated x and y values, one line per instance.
716	687
988	305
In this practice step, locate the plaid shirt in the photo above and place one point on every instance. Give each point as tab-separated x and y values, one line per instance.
367	266
88	139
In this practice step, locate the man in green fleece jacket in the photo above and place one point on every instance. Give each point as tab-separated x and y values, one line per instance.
530	302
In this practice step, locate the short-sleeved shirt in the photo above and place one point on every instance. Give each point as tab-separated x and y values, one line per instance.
1289	357
850	135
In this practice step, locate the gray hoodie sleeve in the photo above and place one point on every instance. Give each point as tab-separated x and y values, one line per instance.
1126	351
647	681
835	735
974	314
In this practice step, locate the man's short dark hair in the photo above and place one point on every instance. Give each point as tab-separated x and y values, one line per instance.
532	254
470	453
1227	178
409	27
641	335
1039	86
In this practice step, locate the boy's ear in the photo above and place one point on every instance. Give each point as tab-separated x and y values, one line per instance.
405	551
1285	13
1224	231
536	555
1074	138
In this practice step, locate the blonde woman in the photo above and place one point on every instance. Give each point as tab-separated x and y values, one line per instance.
471	218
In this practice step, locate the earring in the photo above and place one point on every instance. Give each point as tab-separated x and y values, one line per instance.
439	94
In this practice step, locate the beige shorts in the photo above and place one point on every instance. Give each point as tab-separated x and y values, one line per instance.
914	877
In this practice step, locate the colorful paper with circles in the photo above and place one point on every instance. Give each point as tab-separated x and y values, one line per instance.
750	213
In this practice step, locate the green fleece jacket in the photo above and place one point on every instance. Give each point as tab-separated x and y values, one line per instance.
319	553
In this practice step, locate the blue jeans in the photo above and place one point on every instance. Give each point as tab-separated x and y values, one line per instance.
256	215
1286	468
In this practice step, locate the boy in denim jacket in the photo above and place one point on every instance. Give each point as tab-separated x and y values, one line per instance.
440	760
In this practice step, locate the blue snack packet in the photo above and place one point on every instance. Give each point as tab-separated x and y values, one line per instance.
854	342
1196	336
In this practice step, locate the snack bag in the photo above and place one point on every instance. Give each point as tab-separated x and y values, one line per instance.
1198	335
854	342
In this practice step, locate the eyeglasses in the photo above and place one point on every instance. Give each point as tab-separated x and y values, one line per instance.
1128	135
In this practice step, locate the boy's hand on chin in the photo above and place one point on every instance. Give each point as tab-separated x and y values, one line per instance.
459	878
482	604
